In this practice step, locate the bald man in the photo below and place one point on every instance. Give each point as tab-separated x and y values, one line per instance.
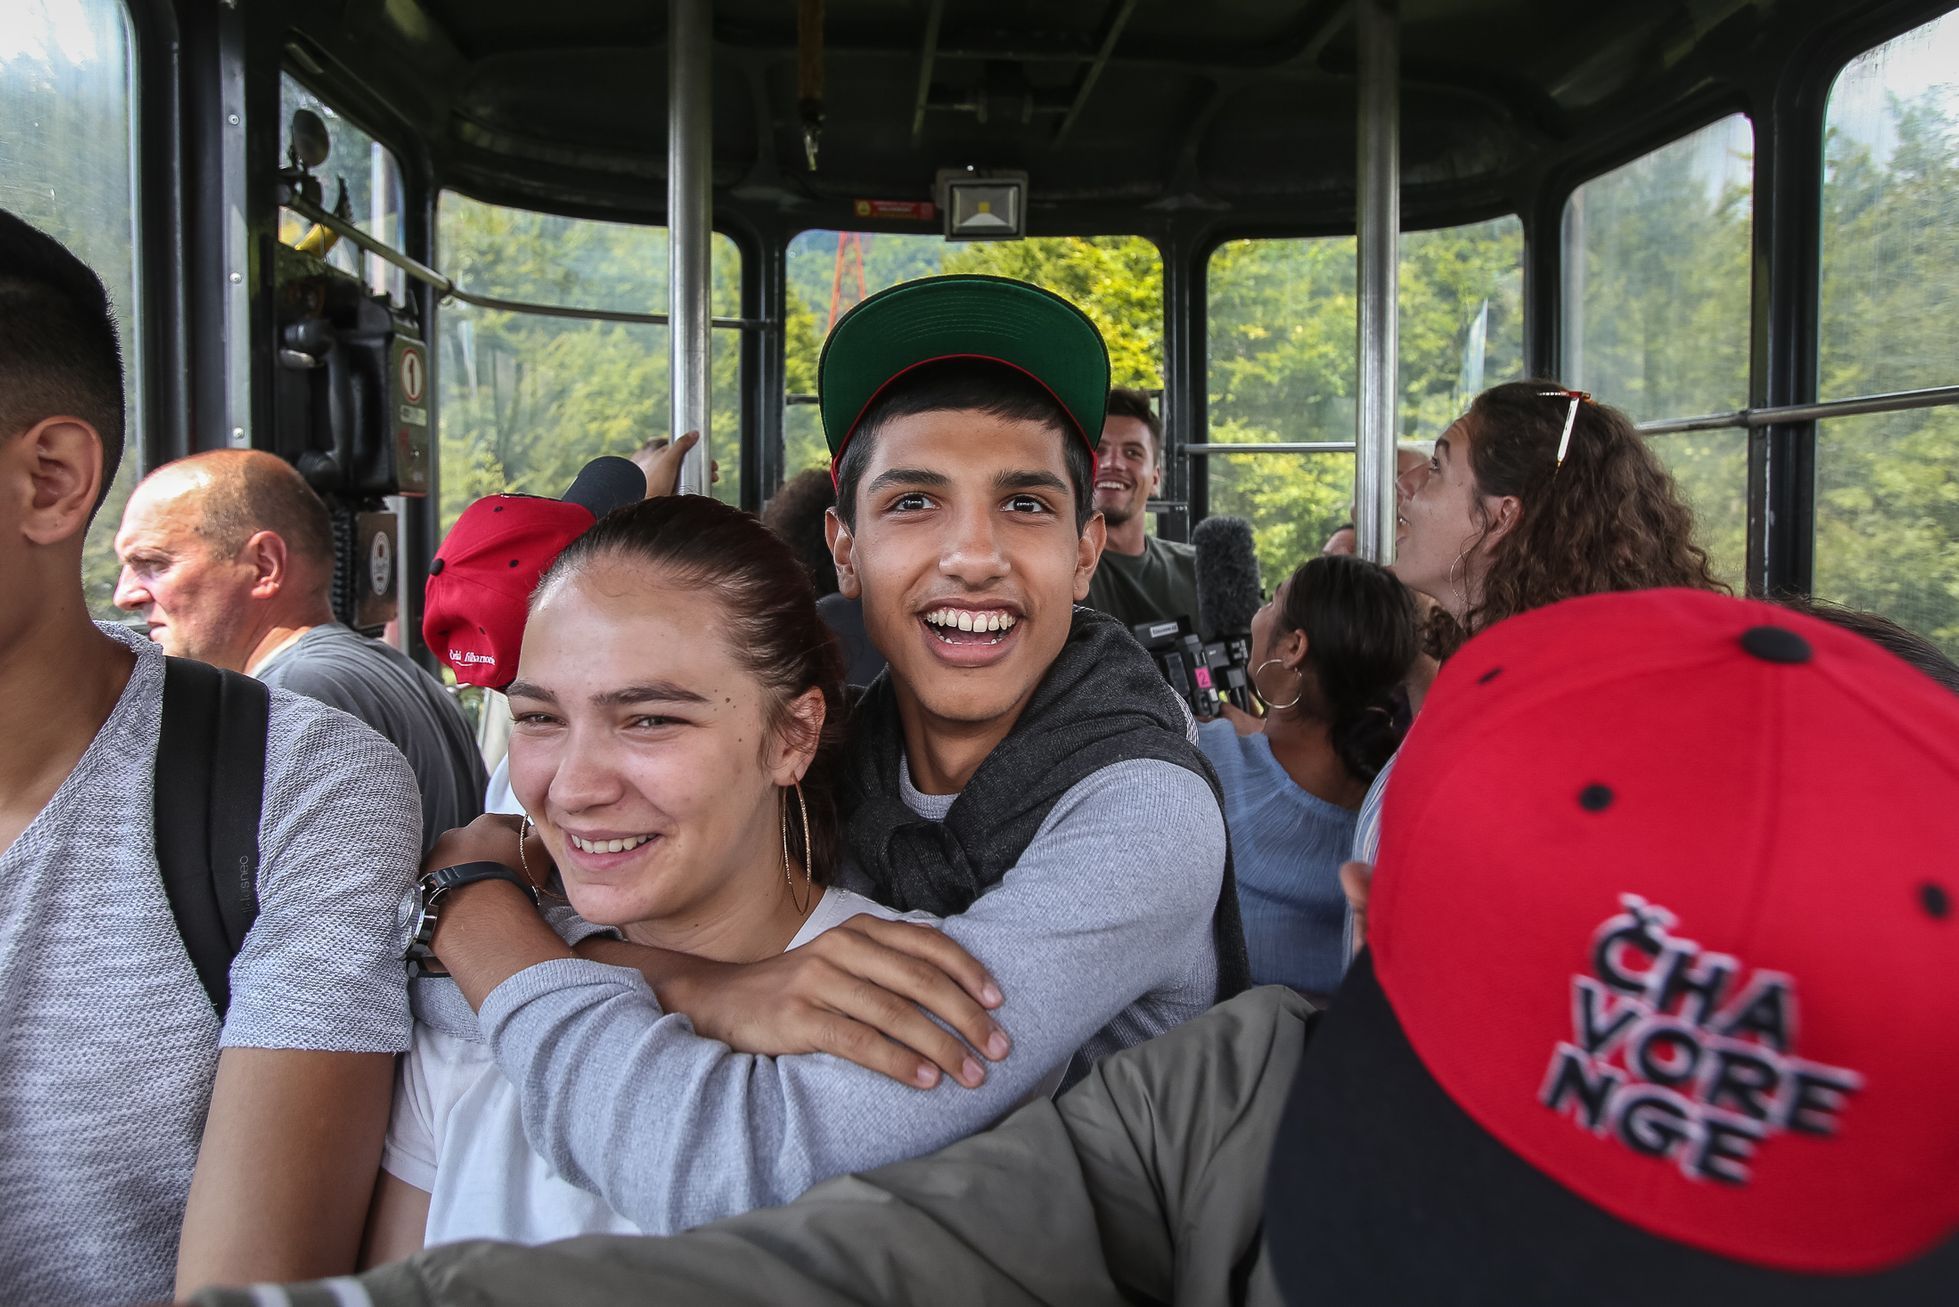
228	557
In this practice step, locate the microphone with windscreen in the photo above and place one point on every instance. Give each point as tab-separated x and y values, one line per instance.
1213	663
1228	589
1228	594
607	483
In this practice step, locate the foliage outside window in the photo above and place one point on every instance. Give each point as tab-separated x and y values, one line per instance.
527	400
1116	280
1887	492
68	166
1283	327
1656	310
372	177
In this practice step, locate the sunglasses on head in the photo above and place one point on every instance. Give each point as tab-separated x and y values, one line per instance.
1576	397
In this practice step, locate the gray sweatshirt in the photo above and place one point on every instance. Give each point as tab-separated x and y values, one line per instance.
1100	937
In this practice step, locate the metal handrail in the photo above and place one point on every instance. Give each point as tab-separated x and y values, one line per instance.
448	289
1272	447
1894	401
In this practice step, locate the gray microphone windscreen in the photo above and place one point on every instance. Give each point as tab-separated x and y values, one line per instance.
1227	577
607	483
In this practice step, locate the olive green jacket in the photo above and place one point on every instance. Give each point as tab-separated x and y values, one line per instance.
1144	1183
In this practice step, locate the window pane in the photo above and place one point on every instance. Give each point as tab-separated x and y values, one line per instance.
1711	468
1116	280
67	165
1891	217
372	178
1887	518
527	400
1282	364
1460	321
1293	501
1656	296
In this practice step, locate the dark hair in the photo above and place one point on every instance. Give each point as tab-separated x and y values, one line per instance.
966	385
1611	518
58	349
1887	634
795	514
257	491
1359	622
702	544
1128	402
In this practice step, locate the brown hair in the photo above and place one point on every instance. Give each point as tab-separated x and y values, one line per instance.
795	513
699	543
1128	402
1359	622
1610	518
59	355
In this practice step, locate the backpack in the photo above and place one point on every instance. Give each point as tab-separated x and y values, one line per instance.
210	781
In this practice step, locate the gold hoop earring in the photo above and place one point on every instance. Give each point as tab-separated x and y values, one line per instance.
1278	707
809	889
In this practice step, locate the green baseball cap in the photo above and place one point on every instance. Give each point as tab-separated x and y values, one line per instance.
1030	330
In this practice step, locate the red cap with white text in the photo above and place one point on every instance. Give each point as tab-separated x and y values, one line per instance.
480	583
1661	998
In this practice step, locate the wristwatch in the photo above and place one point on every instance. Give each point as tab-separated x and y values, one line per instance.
429	892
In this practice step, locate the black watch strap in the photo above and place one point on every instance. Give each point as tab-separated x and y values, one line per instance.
429	893
444	879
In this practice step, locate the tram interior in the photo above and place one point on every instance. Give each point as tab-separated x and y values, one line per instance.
1735	220
1616	202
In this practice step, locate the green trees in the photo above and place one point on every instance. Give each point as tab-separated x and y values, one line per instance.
1887	511
526	400
1282	345
66	166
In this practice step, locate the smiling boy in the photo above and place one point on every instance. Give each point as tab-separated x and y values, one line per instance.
1021	771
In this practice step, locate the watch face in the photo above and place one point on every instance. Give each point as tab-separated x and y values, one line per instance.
408	918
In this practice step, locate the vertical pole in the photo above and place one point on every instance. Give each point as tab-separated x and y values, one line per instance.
690	219
1378	228
1571	324
383	206
1785	330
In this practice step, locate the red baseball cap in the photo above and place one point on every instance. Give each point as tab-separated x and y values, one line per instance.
1661	998
481	579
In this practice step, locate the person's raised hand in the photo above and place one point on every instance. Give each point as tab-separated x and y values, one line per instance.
1241	721
660	460
855	992
1356	879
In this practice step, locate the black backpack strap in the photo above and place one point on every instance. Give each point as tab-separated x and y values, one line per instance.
210	779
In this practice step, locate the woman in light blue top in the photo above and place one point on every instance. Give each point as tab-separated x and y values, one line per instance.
1328	650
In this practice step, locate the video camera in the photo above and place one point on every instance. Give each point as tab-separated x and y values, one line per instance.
1210	664
1204	674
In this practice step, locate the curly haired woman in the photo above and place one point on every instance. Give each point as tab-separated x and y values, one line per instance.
1537	494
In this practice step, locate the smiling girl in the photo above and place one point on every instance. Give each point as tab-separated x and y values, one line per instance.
677	715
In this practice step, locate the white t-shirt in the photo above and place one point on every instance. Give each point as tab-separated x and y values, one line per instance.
457	1131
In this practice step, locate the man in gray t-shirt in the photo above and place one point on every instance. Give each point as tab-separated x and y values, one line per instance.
380	685
150	1147
228	557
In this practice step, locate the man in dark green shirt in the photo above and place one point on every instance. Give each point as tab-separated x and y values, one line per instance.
1140	578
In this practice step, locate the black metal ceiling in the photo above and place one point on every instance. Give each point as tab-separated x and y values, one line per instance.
1117	109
